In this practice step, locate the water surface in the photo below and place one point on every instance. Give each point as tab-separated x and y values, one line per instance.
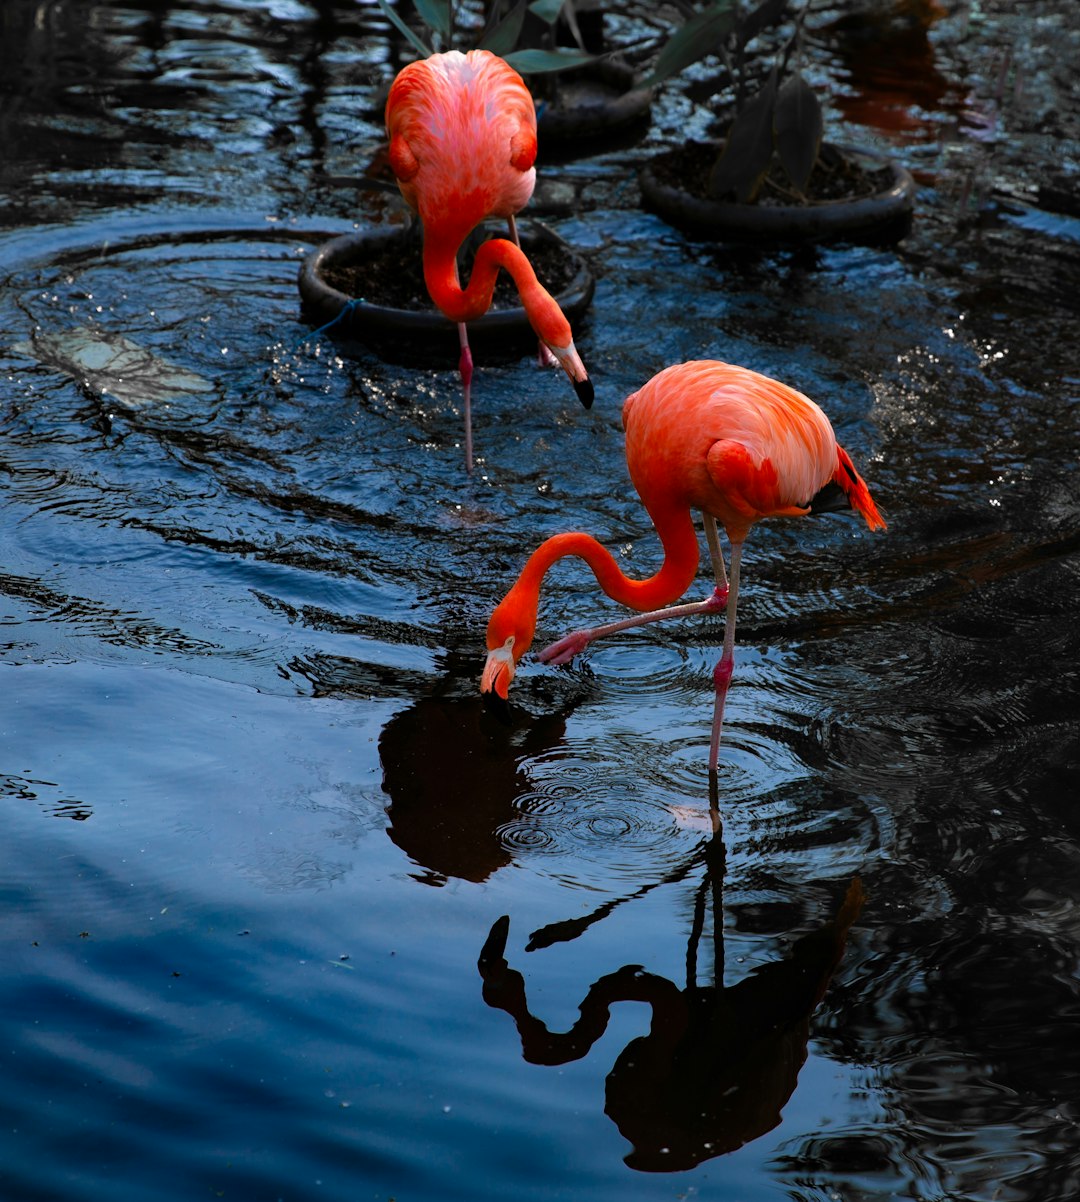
259	826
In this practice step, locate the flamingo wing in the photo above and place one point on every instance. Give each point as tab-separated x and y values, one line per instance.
784	456
750	489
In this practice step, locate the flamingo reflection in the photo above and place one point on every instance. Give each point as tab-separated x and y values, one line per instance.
718	1064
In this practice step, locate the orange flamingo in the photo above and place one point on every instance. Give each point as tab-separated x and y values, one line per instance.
704	435
462	131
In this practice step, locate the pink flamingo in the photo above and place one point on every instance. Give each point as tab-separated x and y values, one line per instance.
703	435
462	131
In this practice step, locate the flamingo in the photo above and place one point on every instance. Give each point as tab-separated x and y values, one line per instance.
462	131
704	435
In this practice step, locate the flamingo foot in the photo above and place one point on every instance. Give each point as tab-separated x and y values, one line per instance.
715	601
566	648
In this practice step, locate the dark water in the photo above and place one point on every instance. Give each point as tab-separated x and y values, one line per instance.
258	826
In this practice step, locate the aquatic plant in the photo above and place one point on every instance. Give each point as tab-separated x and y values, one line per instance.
777	118
501	26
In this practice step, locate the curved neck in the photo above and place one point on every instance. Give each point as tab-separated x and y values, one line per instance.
676	529
674	577
505	990
467	304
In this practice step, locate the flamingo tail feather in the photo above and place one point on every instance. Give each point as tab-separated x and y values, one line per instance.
854	488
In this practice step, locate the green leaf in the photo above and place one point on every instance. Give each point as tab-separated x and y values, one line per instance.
568	14
547	10
767	14
503	37
435	14
748	149
697	38
799	129
536	62
399	24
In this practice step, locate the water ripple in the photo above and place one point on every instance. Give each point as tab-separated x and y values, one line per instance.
256	581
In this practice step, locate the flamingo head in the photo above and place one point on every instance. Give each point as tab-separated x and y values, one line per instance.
499	669
509	636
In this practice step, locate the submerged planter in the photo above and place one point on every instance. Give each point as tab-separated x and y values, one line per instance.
599	102
880	211
345	282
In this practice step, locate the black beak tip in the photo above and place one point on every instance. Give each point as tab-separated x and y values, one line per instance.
499	707
584	390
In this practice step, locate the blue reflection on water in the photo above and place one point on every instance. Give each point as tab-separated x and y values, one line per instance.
242	624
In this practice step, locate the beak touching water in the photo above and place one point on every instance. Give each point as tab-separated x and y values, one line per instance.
499	670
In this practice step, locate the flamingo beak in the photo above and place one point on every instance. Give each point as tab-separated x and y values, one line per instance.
499	670
570	362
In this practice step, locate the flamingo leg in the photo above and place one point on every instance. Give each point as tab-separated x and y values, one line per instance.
723	670
715	554
543	355
574	643
465	367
